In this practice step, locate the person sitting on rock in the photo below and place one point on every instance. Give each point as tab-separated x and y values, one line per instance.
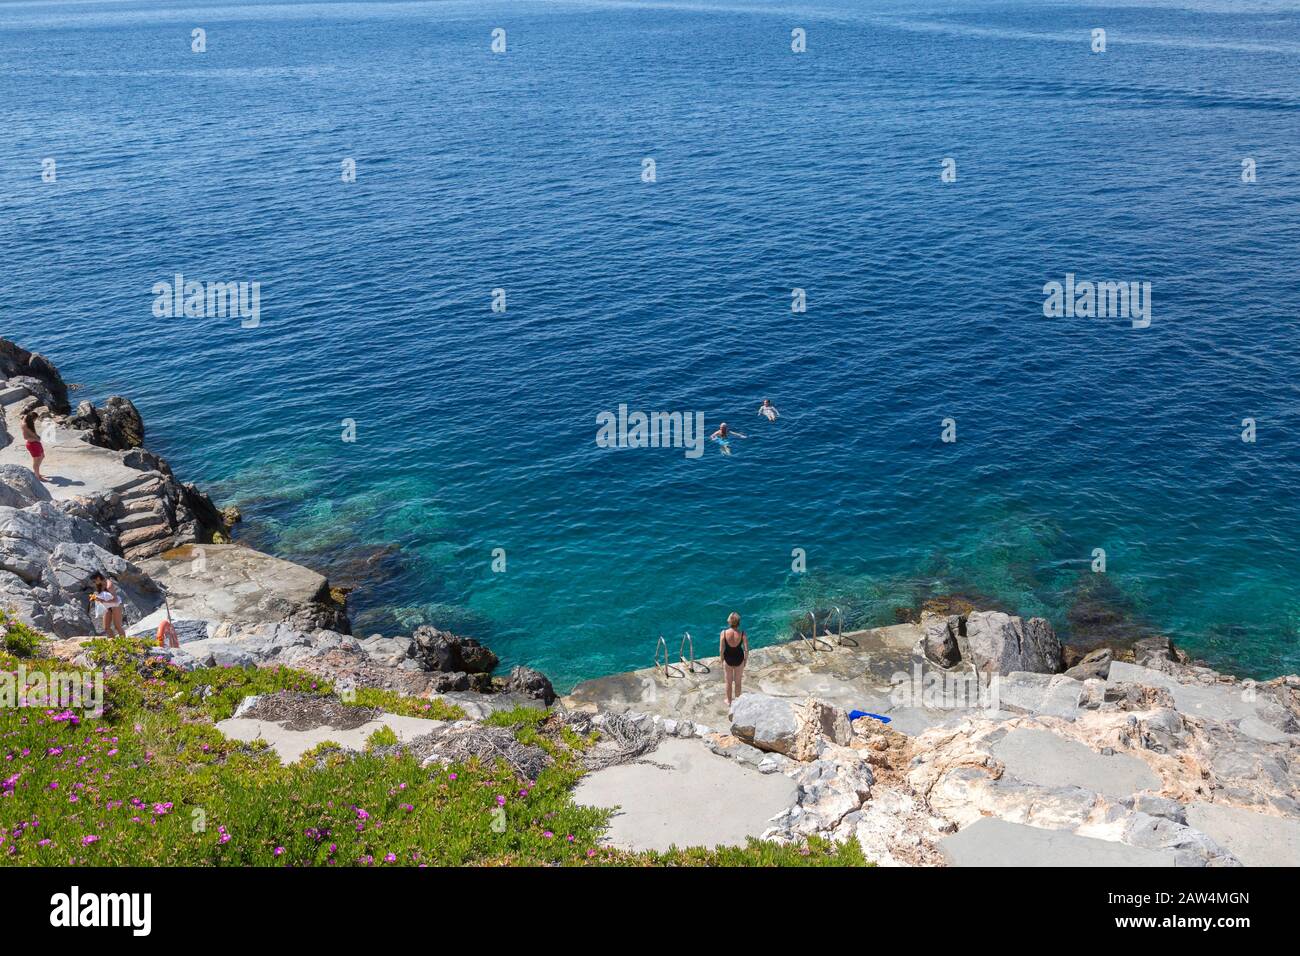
34	446
106	597
733	648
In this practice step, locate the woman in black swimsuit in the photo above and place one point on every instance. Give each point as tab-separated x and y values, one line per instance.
733	648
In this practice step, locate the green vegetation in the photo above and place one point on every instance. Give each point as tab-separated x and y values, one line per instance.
19	639
152	782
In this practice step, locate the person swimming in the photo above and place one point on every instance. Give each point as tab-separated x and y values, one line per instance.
723	437
768	410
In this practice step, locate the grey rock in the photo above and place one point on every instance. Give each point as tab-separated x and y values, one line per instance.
940	643
227	655
768	723
999	643
1191	847
21	366
530	683
1095	665
50	556
1155	652
447	652
388	651
19	487
116	425
1056	694
1160	807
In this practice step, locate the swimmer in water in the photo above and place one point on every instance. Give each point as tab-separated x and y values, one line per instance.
723	437
768	410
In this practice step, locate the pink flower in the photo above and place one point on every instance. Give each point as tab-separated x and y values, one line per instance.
279	850
548	834
89	839
390	858
501	801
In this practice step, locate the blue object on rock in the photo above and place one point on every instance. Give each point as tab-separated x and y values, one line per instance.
855	714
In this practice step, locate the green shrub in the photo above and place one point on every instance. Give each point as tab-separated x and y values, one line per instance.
19	639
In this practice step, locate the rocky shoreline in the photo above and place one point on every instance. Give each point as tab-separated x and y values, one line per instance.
113	506
985	740
1150	761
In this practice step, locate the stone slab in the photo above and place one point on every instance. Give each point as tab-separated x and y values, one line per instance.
1256	839
994	842
686	795
1041	757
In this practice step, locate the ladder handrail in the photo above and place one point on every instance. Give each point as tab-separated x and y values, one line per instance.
666	666
692	666
840	638
815	640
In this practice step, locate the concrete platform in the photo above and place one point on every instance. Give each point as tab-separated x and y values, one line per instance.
73	466
1042	757
993	842
1256	839
855	676
696	798
289	745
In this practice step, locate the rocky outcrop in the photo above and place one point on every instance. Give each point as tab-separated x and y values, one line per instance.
48	555
450	653
1095	664
116	424
786	726
998	643
530	683
21	369
991	642
19	487
943	639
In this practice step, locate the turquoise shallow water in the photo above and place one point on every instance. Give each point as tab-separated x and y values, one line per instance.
476	430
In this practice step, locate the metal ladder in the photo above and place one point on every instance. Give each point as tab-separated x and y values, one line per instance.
819	642
689	665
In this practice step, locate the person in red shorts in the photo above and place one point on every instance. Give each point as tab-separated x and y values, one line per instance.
34	446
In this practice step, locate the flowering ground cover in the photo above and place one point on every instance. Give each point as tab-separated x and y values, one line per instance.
150	781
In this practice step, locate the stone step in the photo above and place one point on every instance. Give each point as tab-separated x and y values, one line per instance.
143	503
141	519
9	394
150	549
135	492
139	536
137	481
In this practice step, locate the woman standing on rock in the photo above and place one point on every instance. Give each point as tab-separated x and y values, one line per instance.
733	648
34	446
107	597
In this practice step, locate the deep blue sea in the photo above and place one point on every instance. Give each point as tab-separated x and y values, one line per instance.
475	429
